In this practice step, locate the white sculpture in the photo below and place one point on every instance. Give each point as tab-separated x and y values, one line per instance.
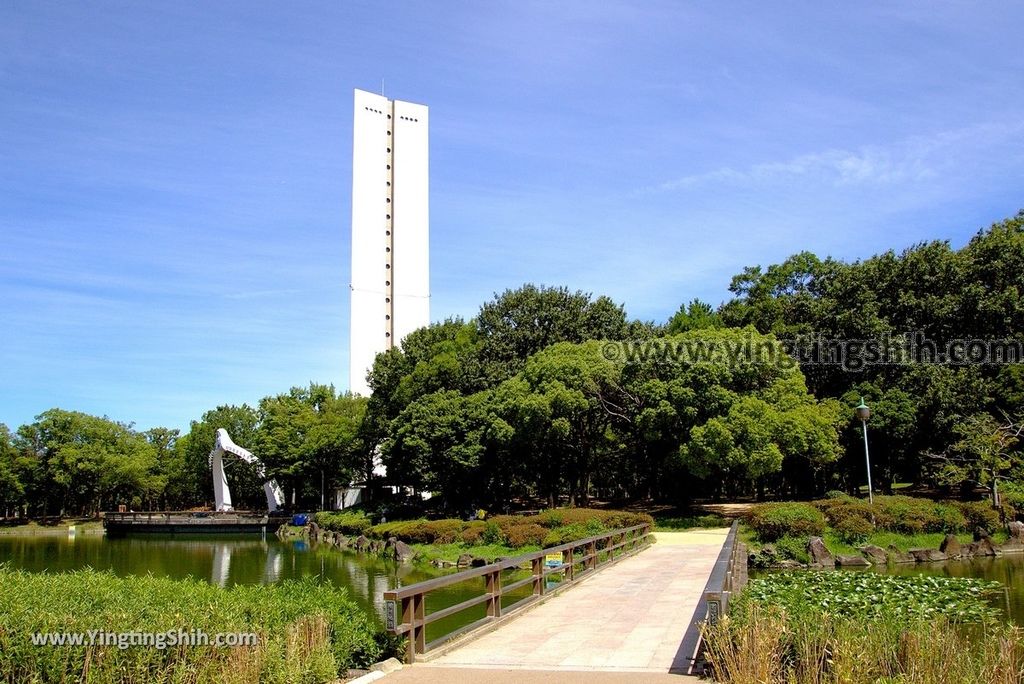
221	493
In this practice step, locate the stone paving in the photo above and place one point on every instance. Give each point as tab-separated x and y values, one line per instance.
632	617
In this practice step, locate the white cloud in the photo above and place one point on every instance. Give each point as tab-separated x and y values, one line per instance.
914	159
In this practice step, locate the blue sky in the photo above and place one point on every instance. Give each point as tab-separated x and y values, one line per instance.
175	178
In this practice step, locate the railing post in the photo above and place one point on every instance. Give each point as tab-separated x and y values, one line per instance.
419	630
567	561
592	552
494	589
538	576
407	619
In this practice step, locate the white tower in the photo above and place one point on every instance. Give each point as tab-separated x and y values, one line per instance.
390	228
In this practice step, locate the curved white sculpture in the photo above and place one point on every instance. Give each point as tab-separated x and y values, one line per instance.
221	493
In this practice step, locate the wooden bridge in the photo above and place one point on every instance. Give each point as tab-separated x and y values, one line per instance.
639	615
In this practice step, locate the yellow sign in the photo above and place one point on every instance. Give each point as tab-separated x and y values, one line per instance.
553	559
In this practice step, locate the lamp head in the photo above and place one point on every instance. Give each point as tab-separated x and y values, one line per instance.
862	411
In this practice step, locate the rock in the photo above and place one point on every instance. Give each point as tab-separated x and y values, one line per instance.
789	564
403	552
343	541
982	547
314	531
387	666
361	543
1012	545
852	561
376	546
980	533
875	554
951	546
820	556
897	556
477	563
927	555
465	560
1016	530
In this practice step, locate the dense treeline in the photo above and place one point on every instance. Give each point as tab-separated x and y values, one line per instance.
70	463
554	395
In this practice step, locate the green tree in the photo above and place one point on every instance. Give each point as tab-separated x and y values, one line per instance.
190	482
12	492
309	439
985	453
85	463
693	316
522	322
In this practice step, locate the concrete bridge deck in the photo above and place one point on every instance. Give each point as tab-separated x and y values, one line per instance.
632	618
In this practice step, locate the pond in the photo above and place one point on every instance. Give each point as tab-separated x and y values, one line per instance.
1007	570
242	559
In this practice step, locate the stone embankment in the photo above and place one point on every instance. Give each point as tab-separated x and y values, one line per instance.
392	548
950	549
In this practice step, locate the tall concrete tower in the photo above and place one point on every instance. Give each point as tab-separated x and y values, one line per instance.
390	229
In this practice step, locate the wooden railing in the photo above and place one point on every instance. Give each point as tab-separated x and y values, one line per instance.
405	608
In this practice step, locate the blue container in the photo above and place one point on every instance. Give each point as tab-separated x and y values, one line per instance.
300	519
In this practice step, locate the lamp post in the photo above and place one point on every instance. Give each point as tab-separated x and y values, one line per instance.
863	412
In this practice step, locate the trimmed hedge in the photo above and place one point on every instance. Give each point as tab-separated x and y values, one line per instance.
346	522
907	515
772	521
548	528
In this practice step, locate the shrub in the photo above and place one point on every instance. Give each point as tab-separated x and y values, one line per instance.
614	520
474	532
853	529
573	532
559	517
1012	503
979	514
446	531
346	522
492	533
838	509
406	530
950	519
526	534
771	521
505	522
906	514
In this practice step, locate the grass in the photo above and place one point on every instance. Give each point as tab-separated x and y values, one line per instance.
58	527
825	627
308	632
770	646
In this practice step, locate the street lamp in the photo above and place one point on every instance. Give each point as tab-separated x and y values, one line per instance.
863	412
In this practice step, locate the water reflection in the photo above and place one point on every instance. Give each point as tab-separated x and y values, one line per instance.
224	561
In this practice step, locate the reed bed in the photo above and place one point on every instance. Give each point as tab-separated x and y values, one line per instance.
307	632
770	642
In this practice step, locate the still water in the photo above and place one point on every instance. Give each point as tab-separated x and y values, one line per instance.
1007	570
244	559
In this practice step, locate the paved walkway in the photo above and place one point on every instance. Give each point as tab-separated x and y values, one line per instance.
632	617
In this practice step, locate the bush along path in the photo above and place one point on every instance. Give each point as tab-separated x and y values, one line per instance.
845	531
455	542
